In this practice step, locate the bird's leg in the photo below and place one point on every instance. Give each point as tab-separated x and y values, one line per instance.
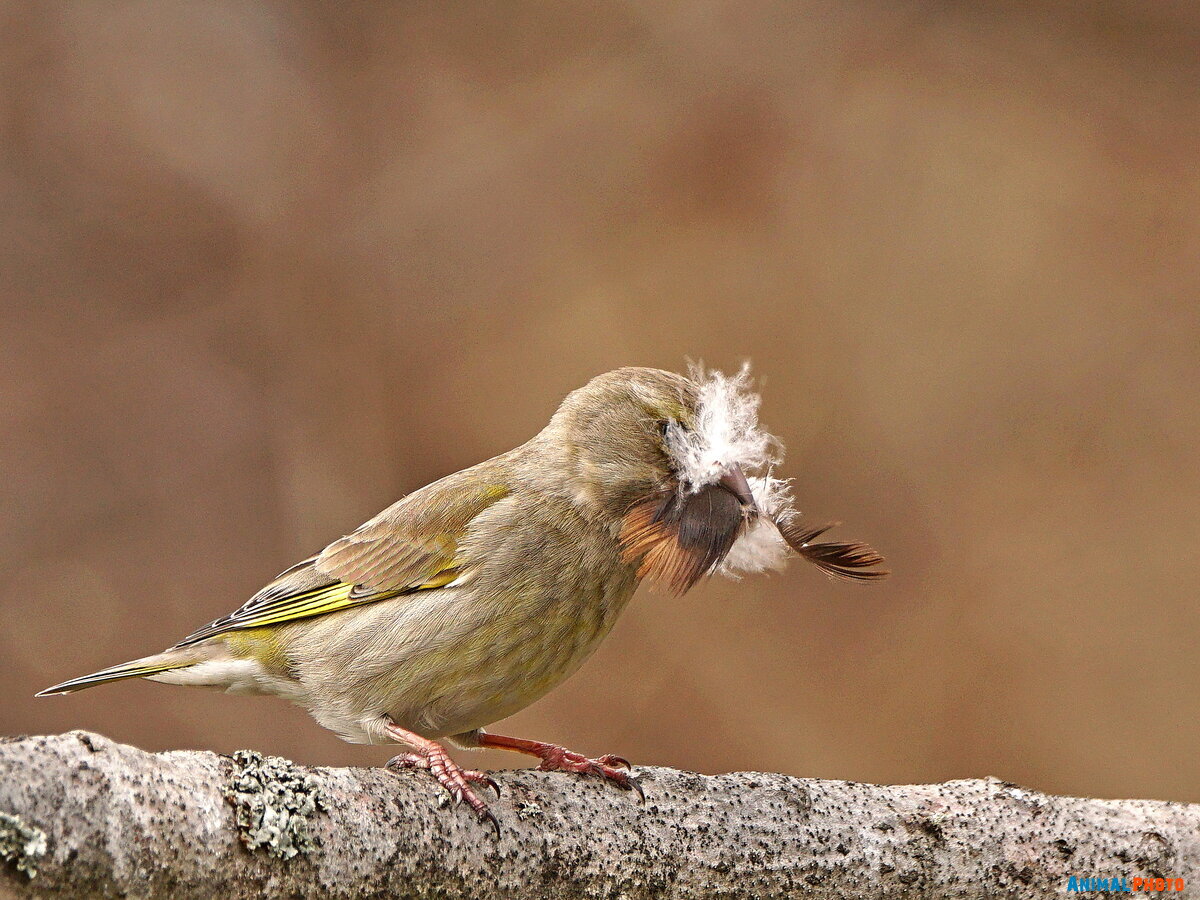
431	755
555	758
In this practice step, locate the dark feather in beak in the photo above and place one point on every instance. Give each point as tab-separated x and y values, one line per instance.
680	538
849	560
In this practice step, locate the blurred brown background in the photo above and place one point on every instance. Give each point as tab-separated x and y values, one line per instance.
266	267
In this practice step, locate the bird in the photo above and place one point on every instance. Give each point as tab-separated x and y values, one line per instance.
470	598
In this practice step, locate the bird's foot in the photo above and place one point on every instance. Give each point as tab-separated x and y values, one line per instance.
556	759
450	775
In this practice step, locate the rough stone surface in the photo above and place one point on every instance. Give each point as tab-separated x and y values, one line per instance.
122	822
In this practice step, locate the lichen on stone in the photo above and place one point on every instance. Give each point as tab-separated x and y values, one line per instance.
273	800
21	844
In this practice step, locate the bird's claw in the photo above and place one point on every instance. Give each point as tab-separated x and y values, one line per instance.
456	780
559	759
611	759
492	783
491	819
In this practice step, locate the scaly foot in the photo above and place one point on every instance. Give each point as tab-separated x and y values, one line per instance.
561	759
555	758
433	757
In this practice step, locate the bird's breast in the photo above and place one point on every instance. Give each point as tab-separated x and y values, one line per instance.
543	589
512	656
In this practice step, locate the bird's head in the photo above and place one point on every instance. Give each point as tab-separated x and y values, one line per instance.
682	469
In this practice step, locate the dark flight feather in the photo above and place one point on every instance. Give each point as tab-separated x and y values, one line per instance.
680	538
849	560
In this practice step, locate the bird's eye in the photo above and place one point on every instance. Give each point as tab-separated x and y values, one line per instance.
664	426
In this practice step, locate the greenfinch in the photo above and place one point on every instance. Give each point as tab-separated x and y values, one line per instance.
472	597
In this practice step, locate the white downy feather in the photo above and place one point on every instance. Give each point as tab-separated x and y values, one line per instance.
726	434
761	547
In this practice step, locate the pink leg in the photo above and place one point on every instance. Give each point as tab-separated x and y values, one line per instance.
555	758
427	754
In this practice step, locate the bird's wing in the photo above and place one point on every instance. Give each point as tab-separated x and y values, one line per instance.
410	546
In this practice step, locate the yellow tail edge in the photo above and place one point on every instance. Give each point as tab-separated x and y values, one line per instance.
135	669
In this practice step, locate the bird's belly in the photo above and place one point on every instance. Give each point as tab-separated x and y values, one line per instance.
500	667
452	659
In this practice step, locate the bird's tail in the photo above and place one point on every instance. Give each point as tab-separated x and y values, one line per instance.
138	668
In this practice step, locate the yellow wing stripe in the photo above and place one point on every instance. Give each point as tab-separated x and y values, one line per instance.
441	579
306	605
332	596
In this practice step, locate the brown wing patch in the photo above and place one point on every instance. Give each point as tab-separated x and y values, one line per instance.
411	541
383	557
681	538
849	560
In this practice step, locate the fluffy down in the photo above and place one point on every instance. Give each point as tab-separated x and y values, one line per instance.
760	547
725	432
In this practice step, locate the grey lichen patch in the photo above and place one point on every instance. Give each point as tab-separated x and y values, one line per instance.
527	809
21	844
273	801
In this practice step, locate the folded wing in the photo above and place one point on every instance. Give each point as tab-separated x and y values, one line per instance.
410	546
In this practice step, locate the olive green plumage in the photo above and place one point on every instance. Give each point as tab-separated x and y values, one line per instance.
470	598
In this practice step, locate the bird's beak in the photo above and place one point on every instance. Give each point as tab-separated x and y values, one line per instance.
734	481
